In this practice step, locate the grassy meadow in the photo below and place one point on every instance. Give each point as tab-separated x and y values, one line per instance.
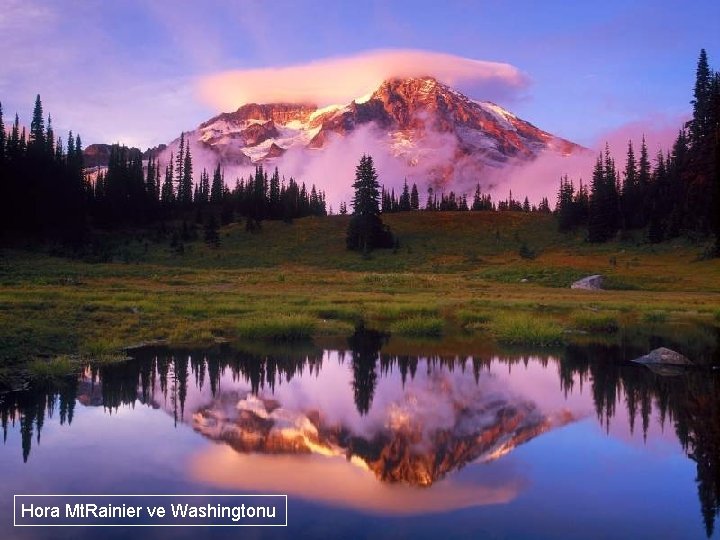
454	275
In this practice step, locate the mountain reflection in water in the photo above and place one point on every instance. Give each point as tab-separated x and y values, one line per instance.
363	428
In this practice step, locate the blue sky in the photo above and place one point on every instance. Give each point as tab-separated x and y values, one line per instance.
129	71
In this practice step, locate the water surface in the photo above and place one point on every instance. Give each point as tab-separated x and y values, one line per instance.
368	442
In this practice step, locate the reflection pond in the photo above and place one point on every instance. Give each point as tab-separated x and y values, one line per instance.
371	438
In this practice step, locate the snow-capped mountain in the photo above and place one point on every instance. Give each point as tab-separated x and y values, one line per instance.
412	117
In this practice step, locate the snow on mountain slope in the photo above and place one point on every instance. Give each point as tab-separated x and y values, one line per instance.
416	128
406	114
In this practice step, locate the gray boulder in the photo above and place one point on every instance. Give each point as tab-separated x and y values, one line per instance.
589	283
663	356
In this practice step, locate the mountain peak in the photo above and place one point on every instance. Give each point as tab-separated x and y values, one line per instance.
424	123
411	86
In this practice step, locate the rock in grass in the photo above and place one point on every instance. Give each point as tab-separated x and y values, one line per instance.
663	356
589	283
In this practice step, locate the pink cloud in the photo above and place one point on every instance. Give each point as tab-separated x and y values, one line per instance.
340	80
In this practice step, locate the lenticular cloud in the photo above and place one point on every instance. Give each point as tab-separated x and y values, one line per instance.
340	80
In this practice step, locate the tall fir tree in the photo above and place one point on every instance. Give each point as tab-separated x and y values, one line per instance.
414	198
366	230
216	190
37	127
179	163
603	206
167	195
700	127
50	138
186	183
2	140
630	196
404	203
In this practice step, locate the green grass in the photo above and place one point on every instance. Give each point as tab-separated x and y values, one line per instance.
460	271
101	347
655	317
418	326
470	319
595	322
279	327
526	329
50	368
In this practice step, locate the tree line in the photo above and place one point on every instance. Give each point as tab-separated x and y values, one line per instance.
131	193
42	185
409	201
678	194
47	192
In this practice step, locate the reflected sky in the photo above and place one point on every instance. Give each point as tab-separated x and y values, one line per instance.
475	443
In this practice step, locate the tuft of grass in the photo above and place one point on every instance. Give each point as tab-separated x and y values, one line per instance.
526	329
47	369
194	332
595	322
418	327
337	312
717	315
101	347
655	317
280	327
472	319
389	311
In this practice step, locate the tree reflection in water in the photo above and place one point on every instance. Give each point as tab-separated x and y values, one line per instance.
689	402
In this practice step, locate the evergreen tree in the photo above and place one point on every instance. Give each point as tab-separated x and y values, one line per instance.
700	127
2	138
404	204
659	199
216	191
414	198
603	205
544	207
179	163
274	195
50	139
565	207
203	189
37	127
5	184
630	196
167	195
150	188
186	185
211	236
715	204
366	230
644	179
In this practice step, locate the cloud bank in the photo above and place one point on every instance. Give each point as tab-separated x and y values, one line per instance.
340	80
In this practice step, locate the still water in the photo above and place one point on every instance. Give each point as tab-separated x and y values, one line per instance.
370	442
